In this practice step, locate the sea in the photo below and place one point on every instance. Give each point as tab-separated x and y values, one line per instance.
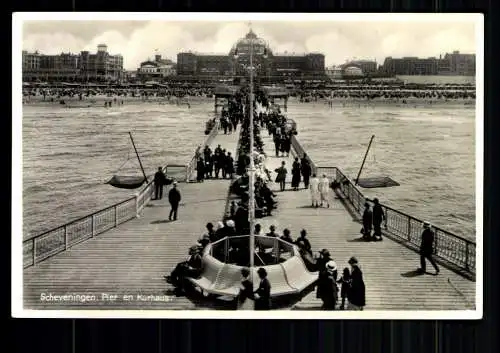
69	154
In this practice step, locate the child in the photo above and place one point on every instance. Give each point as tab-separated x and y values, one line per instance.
345	281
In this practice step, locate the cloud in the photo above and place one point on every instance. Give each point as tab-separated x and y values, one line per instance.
339	41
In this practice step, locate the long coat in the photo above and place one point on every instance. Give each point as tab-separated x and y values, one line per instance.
245	296
264	292
295	174
356	293
282	172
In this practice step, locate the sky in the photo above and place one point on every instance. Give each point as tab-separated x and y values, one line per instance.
339	41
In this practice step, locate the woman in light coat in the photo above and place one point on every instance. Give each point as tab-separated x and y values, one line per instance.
314	188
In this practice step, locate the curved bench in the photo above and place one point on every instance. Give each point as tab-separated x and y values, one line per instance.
289	277
297	275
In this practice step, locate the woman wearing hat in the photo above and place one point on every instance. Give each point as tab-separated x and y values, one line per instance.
246	299
263	293
327	286
321	260
356	294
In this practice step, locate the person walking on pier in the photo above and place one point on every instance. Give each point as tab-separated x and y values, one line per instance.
281	177
378	217
263	293
174	197
427	248
160	180
324	190
328	286
345	285
296	174
314	187
356	294
246	296
305	169
367	222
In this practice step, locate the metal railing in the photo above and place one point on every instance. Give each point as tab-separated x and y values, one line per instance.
453	250
61	238
191	166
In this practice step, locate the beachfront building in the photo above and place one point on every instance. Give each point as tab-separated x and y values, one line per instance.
270	67
156	70
39	67
367	67
451	64
334	72
68	67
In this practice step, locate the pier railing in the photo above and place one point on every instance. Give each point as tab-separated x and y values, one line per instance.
453	250
61	238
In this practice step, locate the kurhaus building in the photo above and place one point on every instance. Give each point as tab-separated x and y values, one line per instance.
269	66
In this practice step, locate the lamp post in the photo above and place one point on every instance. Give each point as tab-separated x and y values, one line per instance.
251	170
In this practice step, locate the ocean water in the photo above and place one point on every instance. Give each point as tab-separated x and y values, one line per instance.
68	154
430	151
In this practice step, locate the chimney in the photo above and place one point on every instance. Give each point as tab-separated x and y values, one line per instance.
157	57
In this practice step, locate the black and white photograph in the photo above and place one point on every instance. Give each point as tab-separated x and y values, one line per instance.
302	166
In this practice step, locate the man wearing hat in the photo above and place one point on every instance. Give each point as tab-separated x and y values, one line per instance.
327	286
204	241
263	293
427	248
174	197
159	180
190	268
356	294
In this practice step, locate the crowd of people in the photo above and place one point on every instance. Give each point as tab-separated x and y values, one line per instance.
210	164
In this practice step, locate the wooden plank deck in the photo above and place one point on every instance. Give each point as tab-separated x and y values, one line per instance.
387	266
132	258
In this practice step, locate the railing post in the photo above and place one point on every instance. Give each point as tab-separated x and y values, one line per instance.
467	256
65	238
34	251
226	248
137	205
187	173
116	216
409	225
93	225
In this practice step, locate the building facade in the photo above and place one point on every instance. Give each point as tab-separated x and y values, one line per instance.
367	67
268	65
67	67
451	64
157	69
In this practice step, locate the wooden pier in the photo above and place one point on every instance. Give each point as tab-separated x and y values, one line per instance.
133	258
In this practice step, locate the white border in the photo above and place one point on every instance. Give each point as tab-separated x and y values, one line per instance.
17	254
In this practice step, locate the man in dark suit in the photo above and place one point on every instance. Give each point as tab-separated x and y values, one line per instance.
159	182
174	197
427	248
263	293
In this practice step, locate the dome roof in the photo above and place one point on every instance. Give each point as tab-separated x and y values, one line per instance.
247	40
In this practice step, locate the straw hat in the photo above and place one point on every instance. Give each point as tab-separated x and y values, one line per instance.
331	266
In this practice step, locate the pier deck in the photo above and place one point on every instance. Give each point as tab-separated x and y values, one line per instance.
133	258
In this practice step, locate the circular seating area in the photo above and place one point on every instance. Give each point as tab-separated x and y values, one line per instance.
286	270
